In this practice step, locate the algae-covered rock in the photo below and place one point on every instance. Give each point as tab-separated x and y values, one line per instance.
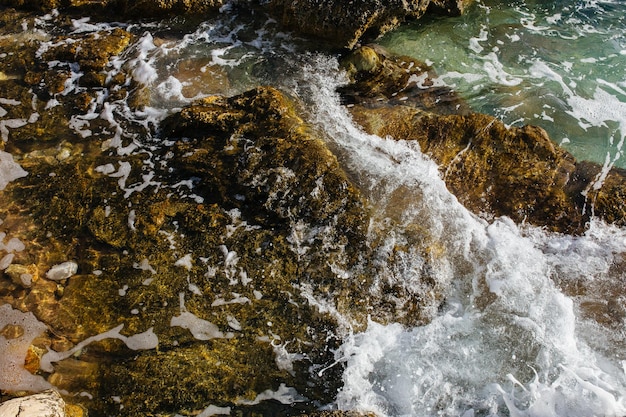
344	24
449	7
122	8
91	52
337	23
226	274
381	79
49	77
493	170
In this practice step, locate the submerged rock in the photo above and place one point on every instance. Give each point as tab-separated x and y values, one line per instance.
381	79
493	170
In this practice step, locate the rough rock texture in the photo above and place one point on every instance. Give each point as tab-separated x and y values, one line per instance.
449	7
336	23
245	254
378	78
493	170
122	8
44	94
344	24
230	246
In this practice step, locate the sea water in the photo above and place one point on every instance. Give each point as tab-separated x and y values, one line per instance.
508	340
533	322
555	64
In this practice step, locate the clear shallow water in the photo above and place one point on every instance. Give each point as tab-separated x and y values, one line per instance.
524	329
560	65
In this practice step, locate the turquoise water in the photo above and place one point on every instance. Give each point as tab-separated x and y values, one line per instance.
560	65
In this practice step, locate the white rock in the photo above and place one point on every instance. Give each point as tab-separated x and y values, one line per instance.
46	404
62	271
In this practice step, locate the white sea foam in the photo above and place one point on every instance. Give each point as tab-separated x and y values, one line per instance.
200	329
284	395
13	376
12	245
140	341
62	271
10	123
508	340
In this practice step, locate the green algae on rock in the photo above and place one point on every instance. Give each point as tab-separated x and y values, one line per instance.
337	23
379	78
122	8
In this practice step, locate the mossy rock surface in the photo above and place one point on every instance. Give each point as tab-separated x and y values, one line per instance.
493	170
247	254
344	24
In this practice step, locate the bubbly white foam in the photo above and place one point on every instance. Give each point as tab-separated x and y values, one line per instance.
140	341
13	376
62	271
9	169
509	341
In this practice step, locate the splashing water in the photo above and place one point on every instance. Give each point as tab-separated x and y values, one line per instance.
531	323
509	341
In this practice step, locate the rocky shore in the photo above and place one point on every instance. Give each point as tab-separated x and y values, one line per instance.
178	268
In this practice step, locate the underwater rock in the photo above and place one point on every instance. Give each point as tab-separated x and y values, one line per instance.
493	170
381	79
449	7
51	77
91	52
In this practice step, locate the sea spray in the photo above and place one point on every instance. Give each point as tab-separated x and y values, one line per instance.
507	341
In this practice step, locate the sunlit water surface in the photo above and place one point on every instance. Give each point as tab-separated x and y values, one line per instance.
558	64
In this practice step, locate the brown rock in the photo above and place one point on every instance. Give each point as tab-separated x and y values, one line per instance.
379	78
345	23
120	8
450	7
493	170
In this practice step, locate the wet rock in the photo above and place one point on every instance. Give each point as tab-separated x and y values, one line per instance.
344	24
41	95
242	261
449	7
92	52
380	79
135	9
22	275
493	170
162	8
